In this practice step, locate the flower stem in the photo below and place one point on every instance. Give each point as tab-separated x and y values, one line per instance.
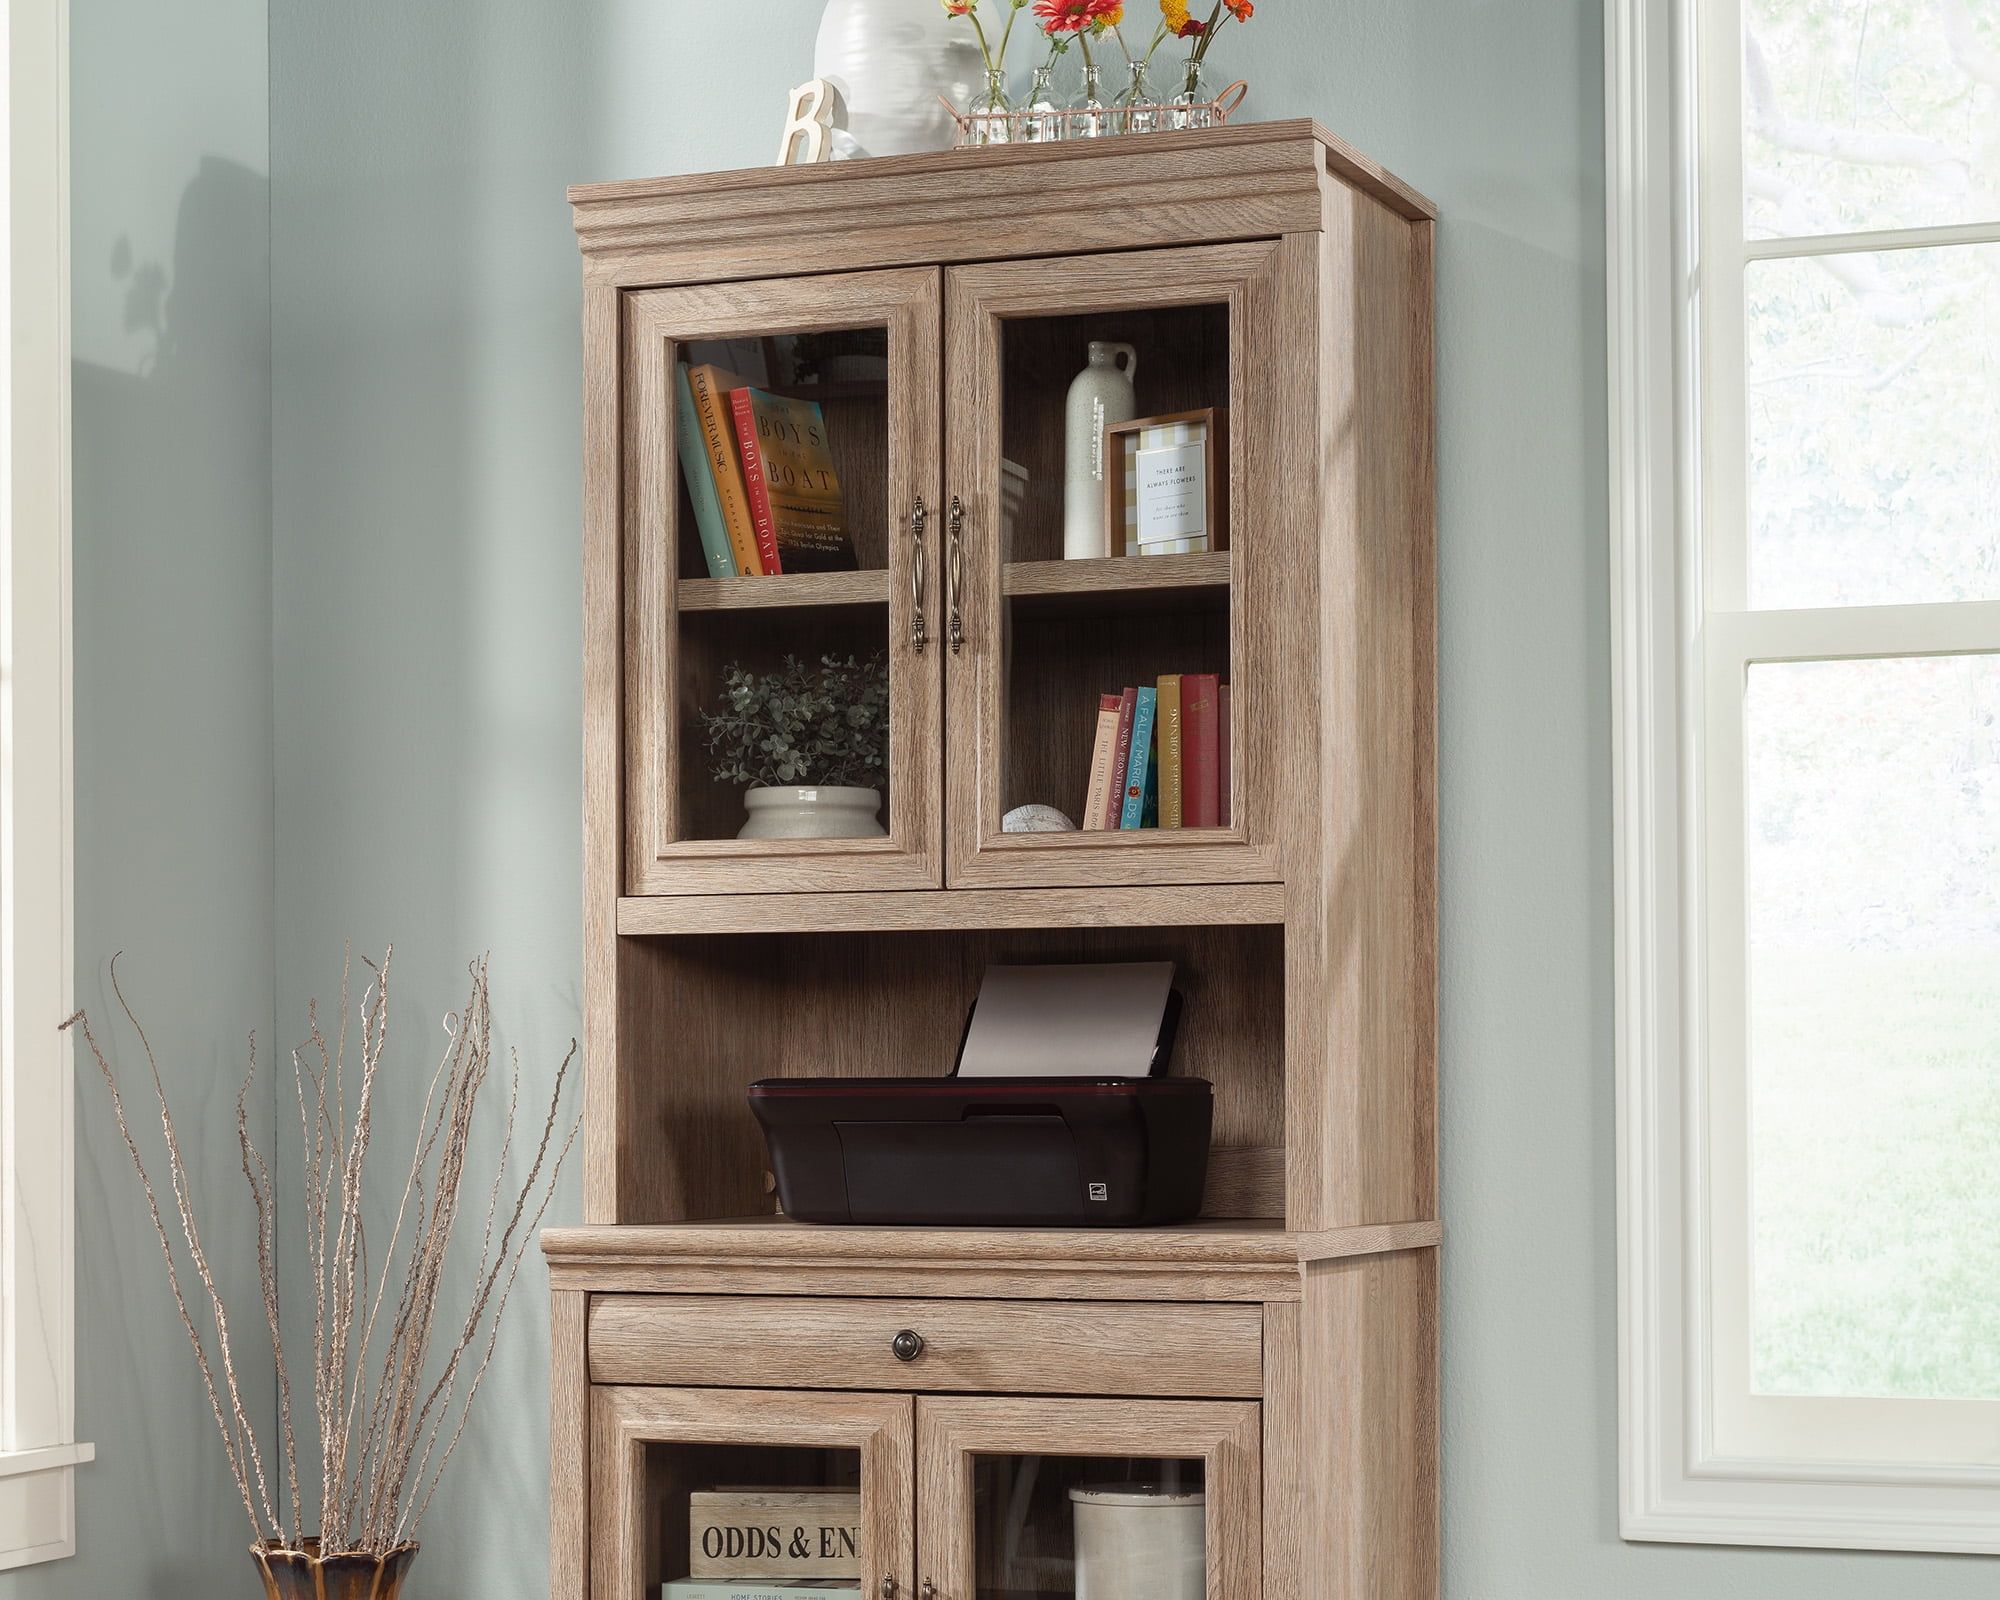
985	55
1006	33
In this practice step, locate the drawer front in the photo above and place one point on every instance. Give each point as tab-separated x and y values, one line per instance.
962	1346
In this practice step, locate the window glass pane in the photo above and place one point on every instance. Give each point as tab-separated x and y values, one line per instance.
1873	866
1869	114
1089	1528
1873	411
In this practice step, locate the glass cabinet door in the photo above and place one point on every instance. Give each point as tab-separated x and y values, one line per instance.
781	537
1120	512
1089	1500
700	1493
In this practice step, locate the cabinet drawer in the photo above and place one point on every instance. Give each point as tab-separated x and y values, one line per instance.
971	1346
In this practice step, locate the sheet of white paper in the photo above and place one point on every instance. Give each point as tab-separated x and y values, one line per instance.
1079	1021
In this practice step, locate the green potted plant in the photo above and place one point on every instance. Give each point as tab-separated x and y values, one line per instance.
810	741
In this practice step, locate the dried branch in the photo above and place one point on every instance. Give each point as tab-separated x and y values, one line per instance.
389	1419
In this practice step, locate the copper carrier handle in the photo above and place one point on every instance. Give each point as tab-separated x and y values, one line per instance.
954	575
920	517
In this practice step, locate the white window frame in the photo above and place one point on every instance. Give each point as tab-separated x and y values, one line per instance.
1703	1460
38	1449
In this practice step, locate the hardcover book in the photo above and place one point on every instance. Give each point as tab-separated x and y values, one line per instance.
1133	813
795	500
708	519
1201	793
712	387
1103	747
1171	738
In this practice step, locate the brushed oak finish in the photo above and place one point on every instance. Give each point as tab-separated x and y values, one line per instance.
672	672
1255	180
1223	1435
1304	1308
1367	1427
1000	1347
635	1502
1199	905
569	1444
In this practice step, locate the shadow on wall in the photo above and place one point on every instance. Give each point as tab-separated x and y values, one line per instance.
174	866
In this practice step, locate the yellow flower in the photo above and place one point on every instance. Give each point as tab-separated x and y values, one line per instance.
1176	13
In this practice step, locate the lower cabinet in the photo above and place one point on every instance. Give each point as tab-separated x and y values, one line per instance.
948	1497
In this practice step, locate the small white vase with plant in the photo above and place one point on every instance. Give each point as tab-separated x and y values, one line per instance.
810	741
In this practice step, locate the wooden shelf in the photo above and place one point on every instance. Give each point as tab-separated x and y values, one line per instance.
791	590
1119	583
1214	905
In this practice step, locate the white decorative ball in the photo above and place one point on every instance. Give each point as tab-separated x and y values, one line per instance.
1036	819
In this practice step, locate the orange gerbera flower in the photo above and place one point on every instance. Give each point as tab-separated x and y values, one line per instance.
1241	10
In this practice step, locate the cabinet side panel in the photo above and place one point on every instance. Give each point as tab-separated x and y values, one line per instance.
602	748
1370	1428
1372	1094
569	1448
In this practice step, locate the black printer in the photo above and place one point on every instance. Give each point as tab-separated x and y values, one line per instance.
1058	1113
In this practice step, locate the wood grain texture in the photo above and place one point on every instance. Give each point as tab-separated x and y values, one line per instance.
1368	1427
640	1478
1361	946
1223	1435
784	592
946	1277
680	824
1001	1347
1115	575
603	728
1288	1490
1197	905
569	1448
1253	180
1016	677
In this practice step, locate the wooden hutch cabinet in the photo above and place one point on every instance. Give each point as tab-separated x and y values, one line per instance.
1280	1354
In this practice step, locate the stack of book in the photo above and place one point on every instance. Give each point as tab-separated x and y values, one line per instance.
771	1544
1160	756
761	477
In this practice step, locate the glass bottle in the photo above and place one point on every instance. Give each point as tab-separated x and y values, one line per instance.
1045	119
1194	104
1140	102
1090	116
990	121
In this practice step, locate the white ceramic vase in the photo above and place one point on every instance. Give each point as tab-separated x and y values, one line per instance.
891	59
812	813
1140	1541
1100	395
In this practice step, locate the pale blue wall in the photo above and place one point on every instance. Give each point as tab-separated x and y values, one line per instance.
425	604
170	284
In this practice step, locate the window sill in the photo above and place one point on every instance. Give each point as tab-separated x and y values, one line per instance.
38	1503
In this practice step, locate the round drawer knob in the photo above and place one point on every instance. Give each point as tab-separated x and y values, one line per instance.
907	1345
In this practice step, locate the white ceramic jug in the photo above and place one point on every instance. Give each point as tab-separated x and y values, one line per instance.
1101	395
891	59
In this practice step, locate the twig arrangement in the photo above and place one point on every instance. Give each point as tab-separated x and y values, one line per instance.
392	1381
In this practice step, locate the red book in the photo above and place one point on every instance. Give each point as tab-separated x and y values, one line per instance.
755	483
1222	754
1201	747
1121	758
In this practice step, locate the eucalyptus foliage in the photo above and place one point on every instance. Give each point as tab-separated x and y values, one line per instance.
822	724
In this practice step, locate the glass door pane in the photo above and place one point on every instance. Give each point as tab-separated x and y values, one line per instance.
782	712
1091	1499
713	1494
1093	1527
1111	538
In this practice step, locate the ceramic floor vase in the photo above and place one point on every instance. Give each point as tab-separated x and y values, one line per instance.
304	1574
822	812
891	59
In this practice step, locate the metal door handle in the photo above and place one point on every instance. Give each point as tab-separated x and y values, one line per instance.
930	1590
889	1587
954	575
920	517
